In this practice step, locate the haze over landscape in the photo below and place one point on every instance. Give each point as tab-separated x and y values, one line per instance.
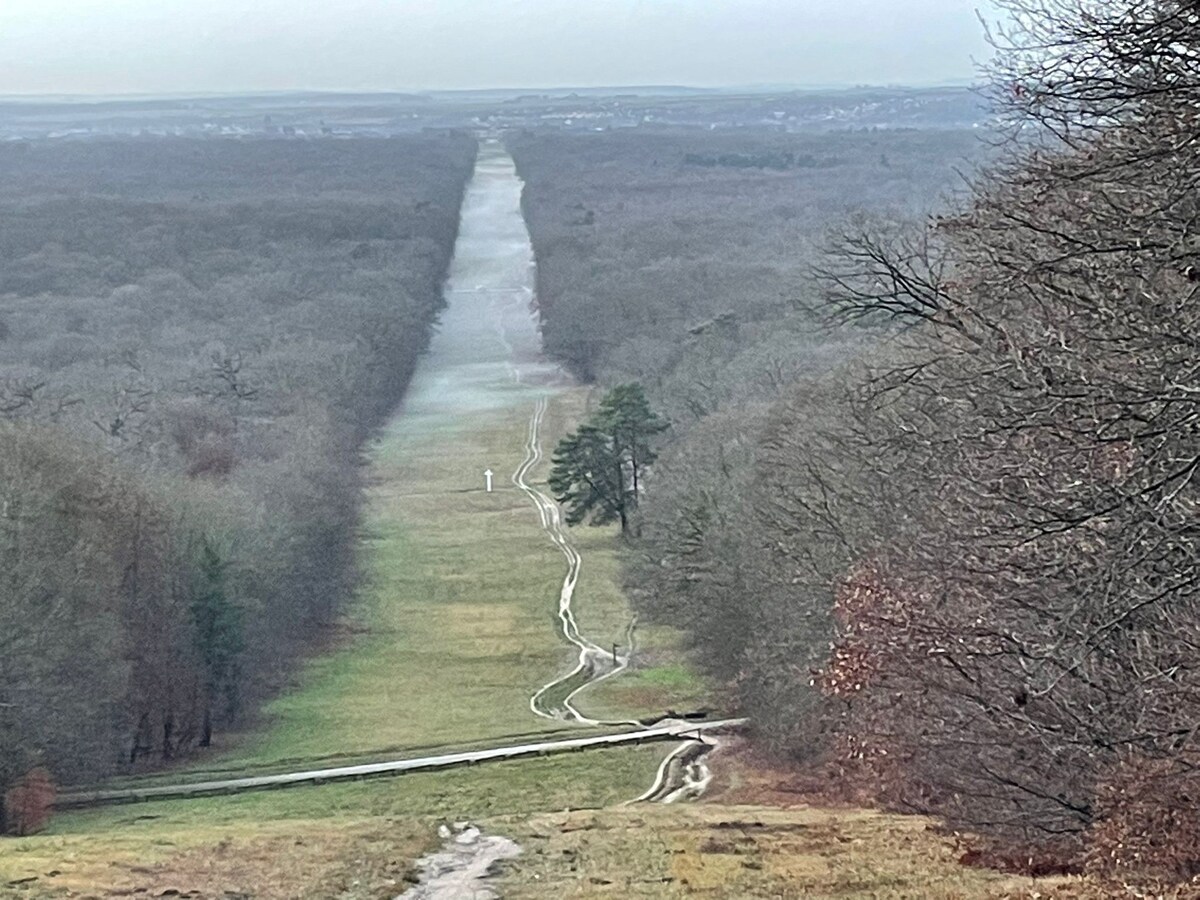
619	449
174	46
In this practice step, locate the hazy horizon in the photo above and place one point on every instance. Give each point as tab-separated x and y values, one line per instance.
75	48
149	96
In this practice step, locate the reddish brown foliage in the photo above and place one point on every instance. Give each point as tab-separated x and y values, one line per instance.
1043	860
874	746
870	617
1147	821
1017	649
28	804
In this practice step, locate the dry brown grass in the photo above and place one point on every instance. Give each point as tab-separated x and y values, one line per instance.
806	843
268	861
743	851
732	851
757	836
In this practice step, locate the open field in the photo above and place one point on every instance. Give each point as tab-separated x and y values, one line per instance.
458	620
340	840
740	851
567	813
457	627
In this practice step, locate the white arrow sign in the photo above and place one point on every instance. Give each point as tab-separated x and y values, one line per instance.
488	476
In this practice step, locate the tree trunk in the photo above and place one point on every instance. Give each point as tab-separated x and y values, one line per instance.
168	732
620	498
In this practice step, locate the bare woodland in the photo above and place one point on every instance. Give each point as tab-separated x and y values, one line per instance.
951	552
927	507
195	338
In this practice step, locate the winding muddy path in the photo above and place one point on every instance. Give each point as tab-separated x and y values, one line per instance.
487	347
494	260
554	700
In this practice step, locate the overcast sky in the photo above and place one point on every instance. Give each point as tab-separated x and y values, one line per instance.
172	46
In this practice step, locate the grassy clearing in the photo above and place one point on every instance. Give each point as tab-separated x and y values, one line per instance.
457	630
459	613
270	860
743	851
355	839
458	626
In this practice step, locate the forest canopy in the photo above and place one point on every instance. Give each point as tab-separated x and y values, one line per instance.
195	337
665	258
949	549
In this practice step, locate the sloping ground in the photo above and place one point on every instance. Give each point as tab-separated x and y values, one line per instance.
762	832
755	837
728	851
458	627
739	851
346	840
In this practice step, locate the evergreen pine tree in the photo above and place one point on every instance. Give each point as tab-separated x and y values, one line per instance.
598	470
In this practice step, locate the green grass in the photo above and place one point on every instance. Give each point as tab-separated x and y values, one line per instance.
587	779
655	681
669	676
453	633
458	622
349	839
458	616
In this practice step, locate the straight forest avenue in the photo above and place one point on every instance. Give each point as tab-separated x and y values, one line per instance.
456	656
483	634
491	659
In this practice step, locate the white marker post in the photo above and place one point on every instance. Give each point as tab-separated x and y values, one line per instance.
488	475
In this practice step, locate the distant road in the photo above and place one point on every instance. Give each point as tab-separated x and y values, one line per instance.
665	732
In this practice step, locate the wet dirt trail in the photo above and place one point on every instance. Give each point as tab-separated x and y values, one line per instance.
487	352
489	346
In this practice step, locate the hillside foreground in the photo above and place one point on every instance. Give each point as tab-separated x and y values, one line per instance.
570	814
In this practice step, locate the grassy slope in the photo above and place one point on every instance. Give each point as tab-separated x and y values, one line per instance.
354	839
459	623
460	626
734	851
752	839
456	630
